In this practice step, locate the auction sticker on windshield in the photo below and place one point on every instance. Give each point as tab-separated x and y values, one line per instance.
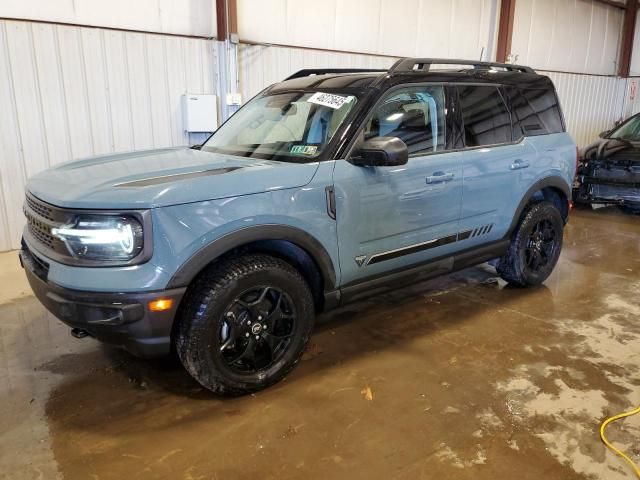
328	100
304	149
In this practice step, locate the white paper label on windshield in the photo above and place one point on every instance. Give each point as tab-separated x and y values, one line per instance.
328	100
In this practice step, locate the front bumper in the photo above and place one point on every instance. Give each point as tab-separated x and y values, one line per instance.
605	182
122	319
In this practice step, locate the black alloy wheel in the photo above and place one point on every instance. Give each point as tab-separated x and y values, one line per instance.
541	245
256	329
244	323
535	246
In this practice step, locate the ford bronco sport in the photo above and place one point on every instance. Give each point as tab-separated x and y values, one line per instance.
325	188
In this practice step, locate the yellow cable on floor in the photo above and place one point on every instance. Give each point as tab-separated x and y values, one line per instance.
604	425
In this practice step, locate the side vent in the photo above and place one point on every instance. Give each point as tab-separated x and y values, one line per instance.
483	230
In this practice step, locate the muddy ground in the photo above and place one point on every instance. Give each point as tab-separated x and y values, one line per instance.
460	378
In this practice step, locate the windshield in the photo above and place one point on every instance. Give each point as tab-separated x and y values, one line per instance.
290	127
630	130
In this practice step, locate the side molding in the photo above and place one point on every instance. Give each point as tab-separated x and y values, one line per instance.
431	268
244	236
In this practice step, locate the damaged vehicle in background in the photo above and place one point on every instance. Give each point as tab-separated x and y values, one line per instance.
609	169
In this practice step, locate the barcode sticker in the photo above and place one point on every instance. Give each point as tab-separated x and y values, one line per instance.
328	100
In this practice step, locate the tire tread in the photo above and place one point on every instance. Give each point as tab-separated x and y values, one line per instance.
509	267
193	318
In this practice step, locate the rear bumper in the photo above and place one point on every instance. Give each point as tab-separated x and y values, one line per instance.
122	319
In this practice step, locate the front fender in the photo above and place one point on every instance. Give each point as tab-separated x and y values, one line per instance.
187	272
188	237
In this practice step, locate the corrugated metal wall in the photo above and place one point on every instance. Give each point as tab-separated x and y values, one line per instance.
184	17
428	28
261	66
71	92
580	36
632	106
590	103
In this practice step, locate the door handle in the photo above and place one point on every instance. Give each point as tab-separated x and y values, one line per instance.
440	177
518	164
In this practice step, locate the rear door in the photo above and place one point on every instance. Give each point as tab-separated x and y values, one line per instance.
537	121
492	162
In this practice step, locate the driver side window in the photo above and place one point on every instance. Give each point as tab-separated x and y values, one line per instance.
415	115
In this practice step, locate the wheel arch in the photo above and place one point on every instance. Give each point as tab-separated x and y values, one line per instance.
291	244
553	189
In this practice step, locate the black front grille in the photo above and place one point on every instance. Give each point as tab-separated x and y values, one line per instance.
41	218
40	231
39	207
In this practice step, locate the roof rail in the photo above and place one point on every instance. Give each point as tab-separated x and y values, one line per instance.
424	64
321	71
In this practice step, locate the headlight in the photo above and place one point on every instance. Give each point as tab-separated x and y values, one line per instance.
102	237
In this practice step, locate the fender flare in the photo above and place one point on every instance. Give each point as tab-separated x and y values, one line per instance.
555	182
201	258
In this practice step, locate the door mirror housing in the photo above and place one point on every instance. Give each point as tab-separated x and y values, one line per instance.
381	152
604	134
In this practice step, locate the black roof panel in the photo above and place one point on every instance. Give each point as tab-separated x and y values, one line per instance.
358	81
364	81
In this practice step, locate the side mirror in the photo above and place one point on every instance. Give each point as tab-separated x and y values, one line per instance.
196	147
381	152
604	134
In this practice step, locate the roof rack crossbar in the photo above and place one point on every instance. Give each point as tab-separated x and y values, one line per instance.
424	64
322	71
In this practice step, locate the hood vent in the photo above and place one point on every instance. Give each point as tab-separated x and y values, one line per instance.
175	177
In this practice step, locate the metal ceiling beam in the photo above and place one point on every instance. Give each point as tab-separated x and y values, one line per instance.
612	3
628	34
226	18
505	29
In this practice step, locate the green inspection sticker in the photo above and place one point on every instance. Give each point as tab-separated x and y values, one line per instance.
304	149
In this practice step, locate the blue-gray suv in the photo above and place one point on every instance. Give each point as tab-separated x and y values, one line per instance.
328	187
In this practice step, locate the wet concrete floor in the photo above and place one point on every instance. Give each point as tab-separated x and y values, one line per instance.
457	378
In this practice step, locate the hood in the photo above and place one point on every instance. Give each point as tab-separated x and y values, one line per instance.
613	150
157	178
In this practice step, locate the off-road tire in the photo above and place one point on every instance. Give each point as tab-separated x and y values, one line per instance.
201	314
512	267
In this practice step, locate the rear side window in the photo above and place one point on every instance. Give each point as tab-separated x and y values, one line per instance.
535	112
486	120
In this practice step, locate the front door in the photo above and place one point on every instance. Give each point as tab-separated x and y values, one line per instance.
393	217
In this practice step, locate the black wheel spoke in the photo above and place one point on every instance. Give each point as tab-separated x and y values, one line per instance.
278	306
248	352
537	259
262	296
272	343
280	337
540	245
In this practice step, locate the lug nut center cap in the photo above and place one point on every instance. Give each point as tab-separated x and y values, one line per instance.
256	328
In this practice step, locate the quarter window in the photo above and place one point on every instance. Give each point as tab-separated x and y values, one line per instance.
486	120
535	111
414	115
